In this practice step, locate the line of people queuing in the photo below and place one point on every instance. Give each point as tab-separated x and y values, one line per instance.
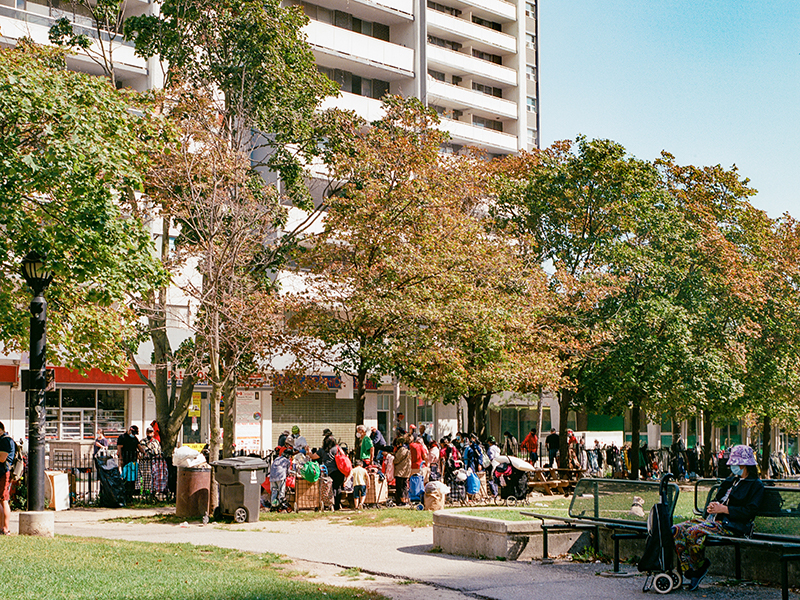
412	452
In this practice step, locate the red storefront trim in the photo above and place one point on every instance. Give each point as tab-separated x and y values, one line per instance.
95	376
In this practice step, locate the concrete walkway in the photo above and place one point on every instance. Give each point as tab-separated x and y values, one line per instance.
394	555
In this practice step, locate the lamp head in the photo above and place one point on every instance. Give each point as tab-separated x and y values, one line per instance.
35	272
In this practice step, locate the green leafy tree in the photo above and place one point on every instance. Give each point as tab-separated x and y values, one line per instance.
571	207
72	154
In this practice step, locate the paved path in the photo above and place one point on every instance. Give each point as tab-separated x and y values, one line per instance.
394	555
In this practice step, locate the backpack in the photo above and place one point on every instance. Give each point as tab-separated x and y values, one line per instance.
18	465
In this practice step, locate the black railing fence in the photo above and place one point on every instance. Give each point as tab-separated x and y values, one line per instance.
149	475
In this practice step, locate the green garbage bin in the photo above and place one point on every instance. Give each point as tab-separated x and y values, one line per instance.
239	480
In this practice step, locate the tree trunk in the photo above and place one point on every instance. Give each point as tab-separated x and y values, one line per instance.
539	433
214	442
766	445
361	396
483	416
472	410
564	402
708	430
229	418
636	417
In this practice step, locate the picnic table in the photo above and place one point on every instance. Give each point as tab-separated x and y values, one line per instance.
550	480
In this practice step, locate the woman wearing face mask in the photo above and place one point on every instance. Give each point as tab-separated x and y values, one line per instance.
731	513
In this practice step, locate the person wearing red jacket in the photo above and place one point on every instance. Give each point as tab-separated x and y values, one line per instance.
419	454
531	446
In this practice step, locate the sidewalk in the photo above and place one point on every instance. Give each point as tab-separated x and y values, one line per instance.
398	554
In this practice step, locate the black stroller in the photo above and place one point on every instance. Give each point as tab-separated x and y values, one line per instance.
658	560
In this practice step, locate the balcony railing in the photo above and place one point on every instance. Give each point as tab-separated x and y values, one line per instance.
467	31
460	62
446	94
48	21
360	48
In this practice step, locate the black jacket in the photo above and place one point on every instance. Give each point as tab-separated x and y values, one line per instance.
743	503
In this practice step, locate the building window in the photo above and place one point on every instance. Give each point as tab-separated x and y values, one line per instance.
385	401
79	414
361	86
487	123
424	414
494	58
485	23
345	20
530	9
530	72
531	104
436	41
437	75
487	89
444	9
530	41
533	137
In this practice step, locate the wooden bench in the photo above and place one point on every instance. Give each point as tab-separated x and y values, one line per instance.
776	526
621	505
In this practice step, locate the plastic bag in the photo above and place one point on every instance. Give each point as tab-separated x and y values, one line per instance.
473	484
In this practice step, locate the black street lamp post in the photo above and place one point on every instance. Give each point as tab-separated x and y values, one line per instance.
38	278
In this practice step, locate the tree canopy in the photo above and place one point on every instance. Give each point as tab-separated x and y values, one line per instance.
73	154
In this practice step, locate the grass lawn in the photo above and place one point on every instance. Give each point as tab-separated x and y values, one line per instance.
366	518
66	568
560	508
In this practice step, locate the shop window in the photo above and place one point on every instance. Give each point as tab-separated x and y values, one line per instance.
78	414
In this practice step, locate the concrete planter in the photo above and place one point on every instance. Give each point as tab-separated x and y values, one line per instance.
465	535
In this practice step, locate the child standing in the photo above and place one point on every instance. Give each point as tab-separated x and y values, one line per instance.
360	484
277	477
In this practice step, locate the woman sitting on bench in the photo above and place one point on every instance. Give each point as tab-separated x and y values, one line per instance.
731	513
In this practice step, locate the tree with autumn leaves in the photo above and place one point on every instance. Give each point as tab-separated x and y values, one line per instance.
406	278
665	272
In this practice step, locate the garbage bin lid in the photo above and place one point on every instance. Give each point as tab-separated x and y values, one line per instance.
242	463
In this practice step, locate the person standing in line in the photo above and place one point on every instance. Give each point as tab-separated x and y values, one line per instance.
7	450
419	454
531	446
150	445
360	485
402	470
510	445
366	450
552	441
100	443
128	446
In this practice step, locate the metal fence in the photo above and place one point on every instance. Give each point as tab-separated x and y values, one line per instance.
148	479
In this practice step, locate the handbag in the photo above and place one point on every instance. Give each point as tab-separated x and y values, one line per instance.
343	462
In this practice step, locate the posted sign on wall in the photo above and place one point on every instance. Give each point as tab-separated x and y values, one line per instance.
248	421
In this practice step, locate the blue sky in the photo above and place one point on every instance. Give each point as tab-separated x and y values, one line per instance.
711	81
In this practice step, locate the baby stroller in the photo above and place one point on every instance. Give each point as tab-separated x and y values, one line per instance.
513	483
659	552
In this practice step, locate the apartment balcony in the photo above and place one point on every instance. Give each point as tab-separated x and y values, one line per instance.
466	32
453	96
15	24
467	134
492	10
366	108
458	63
389	12
339	48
